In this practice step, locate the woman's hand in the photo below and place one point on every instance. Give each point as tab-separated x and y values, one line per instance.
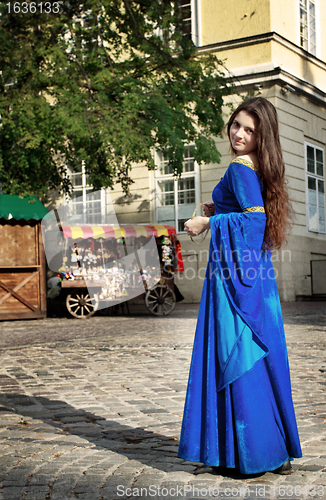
197	225
208	208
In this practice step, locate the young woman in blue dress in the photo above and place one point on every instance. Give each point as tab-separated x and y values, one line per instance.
238	411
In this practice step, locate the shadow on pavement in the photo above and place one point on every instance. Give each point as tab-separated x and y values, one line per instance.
150	448
108	434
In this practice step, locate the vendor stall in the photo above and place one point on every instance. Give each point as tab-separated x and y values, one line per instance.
94	270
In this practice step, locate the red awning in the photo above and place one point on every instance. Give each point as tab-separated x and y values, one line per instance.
123	231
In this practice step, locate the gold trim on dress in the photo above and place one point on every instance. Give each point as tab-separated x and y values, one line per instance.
247	163
254	209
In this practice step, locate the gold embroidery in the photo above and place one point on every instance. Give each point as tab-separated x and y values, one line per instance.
254	209
247	163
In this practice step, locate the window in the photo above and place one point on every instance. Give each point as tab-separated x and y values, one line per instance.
176	198
190	13
185	6
85	205
315	188
308	36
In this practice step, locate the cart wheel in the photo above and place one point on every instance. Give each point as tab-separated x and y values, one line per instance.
160	300
81	305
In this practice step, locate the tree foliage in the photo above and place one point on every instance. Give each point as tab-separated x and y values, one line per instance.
103	82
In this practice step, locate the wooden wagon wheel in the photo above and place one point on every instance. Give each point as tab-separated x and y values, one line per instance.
81	305
160	300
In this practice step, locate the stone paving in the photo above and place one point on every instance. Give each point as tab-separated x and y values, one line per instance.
92	410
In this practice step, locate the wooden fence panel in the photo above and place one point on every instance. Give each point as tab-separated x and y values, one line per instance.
22	270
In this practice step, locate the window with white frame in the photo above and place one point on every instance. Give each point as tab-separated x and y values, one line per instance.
190	24
86	206
308	35
315	172
176	198
190	12
185	6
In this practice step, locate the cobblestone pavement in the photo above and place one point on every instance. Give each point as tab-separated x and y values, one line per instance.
92	410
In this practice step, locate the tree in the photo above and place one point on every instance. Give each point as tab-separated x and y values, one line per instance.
101	82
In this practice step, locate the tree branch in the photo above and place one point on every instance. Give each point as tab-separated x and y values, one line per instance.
105	51
132	16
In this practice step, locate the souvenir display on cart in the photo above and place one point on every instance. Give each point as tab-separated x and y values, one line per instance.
97	263
169	254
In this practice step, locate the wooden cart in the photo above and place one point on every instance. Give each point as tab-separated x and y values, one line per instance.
22	260
83	297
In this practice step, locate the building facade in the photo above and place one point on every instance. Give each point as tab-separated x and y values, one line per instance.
276	49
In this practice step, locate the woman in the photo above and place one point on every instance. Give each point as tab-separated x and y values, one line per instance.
238	410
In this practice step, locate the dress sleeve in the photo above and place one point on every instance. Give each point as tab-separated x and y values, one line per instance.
236	251
246	185
237	237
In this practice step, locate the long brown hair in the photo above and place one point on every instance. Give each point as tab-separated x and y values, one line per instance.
271	169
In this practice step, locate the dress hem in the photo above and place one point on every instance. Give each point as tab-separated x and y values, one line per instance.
234	467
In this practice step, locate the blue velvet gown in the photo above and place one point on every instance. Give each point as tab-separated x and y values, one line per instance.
238	411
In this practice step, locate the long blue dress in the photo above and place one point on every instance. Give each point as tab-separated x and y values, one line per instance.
238	410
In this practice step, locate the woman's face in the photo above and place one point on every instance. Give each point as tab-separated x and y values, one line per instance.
243	135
